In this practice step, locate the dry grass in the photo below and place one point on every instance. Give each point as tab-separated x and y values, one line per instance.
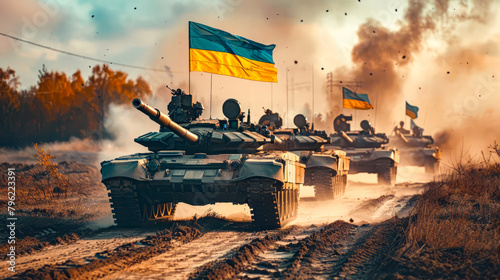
455	230
461	211
56	182
64	190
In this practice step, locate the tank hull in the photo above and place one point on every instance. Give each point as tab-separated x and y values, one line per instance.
417	151
381	161
144	187
327	172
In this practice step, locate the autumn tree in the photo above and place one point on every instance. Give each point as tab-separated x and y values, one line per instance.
9	97
61	106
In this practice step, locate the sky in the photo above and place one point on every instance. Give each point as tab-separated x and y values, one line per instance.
438	55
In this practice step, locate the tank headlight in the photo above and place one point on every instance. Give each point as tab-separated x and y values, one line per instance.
153	165
235	164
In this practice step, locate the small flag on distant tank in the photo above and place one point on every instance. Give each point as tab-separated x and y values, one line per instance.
354	100
411	111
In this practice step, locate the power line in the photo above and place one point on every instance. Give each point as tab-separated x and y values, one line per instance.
83	56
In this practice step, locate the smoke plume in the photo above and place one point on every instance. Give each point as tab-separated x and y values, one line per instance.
440	58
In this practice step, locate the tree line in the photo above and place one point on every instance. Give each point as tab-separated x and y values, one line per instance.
59	106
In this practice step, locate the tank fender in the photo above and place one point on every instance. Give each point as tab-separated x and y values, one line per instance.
319	160
133	169
432	152
387	153
252	168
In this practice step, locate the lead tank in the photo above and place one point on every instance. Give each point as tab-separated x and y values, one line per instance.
200	163
416	149
366	149
326	169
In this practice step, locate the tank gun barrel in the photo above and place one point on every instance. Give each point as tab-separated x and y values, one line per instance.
275	139
401	136
164	120
346	137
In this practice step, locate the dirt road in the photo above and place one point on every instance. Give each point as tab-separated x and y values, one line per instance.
340	238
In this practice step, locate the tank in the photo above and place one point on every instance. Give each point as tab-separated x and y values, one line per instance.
326	169
202	162
366	149
416	149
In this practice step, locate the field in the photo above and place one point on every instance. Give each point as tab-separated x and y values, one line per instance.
446	228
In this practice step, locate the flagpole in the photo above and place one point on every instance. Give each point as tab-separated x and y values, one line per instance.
211	95
355	117
286	97
376	110
189	59
272	97
312	72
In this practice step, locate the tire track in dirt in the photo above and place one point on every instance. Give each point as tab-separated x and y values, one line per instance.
331	250
278	257
111	261
236	260
338	250
183	259
84	249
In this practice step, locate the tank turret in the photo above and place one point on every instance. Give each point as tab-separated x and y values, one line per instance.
293	139
181	108
210	137
271	119
416	149
365	138
366	149
202	162
326	169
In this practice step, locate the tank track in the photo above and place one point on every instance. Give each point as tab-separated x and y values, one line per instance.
431	166
386	173
128	211
327	186
272	208
124	202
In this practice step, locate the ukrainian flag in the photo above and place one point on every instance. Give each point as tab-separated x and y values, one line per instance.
216	51
355	100
411	111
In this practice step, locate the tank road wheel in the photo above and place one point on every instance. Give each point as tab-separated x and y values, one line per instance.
386	174
147	212
124	204
162	209
327	187
431	166
169	212
158	211
270	208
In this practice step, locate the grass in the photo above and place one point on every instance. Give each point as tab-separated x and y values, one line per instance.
461	211
455	229
64	193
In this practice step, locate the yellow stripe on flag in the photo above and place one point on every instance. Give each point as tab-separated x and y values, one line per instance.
411	114
356	104
231	65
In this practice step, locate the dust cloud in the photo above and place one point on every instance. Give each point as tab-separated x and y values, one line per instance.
441	58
